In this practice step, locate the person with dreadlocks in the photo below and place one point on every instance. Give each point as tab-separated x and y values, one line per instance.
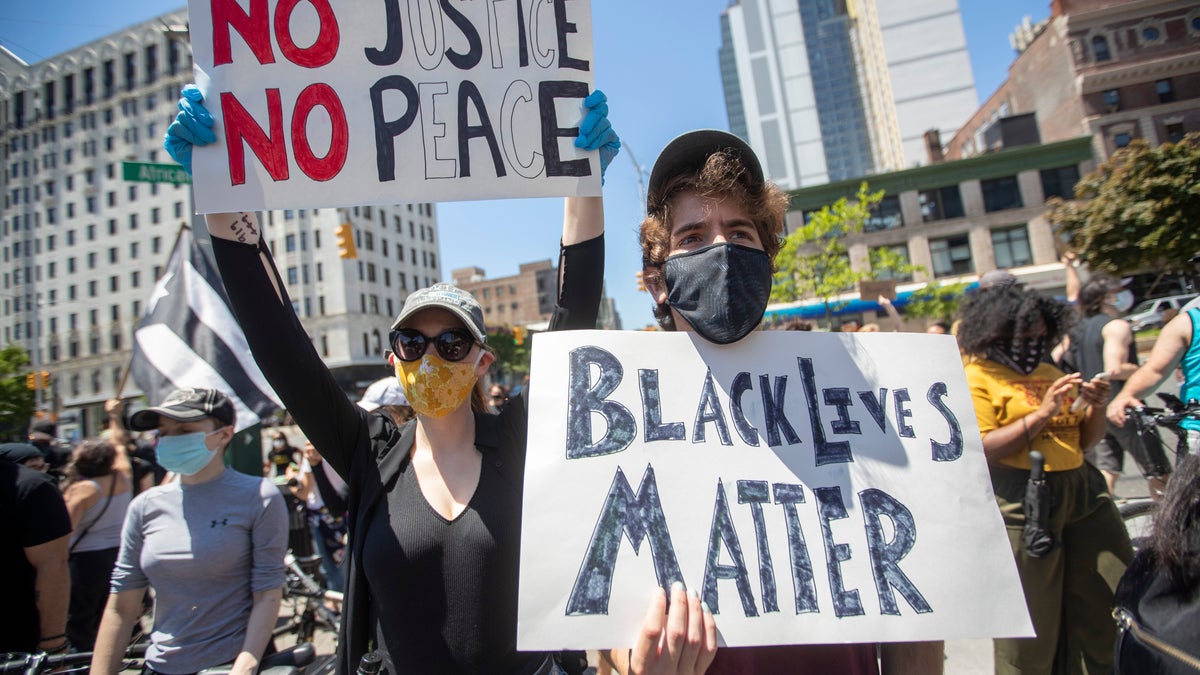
1024	403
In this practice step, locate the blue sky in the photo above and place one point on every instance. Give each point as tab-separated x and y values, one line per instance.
659	84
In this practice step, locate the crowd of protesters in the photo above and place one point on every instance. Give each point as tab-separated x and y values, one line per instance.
93	527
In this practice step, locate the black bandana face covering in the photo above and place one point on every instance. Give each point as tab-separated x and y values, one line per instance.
720	290
1022	356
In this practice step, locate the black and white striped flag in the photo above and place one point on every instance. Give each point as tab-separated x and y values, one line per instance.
189	338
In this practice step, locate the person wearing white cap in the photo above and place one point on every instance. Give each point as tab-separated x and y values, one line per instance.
388	395
435	503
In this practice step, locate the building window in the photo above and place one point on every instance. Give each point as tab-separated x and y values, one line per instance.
1112	100
885	215
1060	182
951	256
1175	132
1151	33
1166	93
1100	48
1001	193
292	275
1122	139
941	203
1011	247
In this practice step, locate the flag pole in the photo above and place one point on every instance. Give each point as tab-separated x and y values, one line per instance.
183	226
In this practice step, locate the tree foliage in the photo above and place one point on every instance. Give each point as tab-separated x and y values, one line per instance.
1138	211
512	359
936	301
16	400
814	263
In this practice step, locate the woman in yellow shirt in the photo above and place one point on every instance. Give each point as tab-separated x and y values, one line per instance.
1024	403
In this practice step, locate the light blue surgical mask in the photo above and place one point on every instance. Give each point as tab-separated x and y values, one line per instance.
185	454
1123	301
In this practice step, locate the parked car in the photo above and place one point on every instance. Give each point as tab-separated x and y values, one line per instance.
1149	313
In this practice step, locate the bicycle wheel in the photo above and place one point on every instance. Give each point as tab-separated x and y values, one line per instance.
1138	515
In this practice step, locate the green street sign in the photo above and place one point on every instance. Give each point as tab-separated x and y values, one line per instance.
143	172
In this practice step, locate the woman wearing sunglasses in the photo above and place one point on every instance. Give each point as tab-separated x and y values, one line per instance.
436	502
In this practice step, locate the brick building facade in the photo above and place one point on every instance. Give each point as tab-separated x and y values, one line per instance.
1115	70
524	298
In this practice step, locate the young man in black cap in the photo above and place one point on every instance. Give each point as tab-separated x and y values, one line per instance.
709	241
212	546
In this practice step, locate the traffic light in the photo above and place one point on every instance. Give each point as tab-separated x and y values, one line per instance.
31	381
345	241
518	335
641	282
44	379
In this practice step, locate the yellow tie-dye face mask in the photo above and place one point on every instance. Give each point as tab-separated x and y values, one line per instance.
435	387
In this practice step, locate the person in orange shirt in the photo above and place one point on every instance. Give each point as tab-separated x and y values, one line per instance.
1023	403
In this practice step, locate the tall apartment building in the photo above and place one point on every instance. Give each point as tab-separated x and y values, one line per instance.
1114	70
826	90
81	248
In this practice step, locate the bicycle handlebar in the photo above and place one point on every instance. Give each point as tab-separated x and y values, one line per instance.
32	663
1163	417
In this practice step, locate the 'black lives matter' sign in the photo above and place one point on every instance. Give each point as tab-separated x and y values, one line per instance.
810	487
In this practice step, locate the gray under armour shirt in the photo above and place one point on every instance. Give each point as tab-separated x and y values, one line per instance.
205	549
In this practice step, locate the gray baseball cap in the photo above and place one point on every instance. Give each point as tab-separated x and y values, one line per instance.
186	405
450	298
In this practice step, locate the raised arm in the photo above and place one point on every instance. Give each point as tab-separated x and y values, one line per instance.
1168	350
279	342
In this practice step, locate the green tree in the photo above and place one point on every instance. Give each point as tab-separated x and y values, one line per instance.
511	358
1138	211
16	400
813	261
935	301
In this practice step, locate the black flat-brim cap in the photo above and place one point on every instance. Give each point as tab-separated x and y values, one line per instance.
186	405
687	154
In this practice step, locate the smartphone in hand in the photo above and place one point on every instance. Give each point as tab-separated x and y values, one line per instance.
1081	403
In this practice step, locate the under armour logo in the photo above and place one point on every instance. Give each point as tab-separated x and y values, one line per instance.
223	522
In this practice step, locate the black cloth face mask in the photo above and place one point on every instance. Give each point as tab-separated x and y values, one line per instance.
720	290
1023	356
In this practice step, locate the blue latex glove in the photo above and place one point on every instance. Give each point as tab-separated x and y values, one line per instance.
596	132
192	126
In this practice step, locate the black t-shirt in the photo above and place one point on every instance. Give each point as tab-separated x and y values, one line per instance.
33	513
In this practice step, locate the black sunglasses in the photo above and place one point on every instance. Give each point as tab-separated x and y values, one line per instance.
453	344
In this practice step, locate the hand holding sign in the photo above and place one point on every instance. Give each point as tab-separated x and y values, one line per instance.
192	126
681	639
596	132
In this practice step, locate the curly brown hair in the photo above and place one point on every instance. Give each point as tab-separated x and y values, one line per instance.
723	176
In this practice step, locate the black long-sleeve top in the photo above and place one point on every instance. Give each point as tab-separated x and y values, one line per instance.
435	596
